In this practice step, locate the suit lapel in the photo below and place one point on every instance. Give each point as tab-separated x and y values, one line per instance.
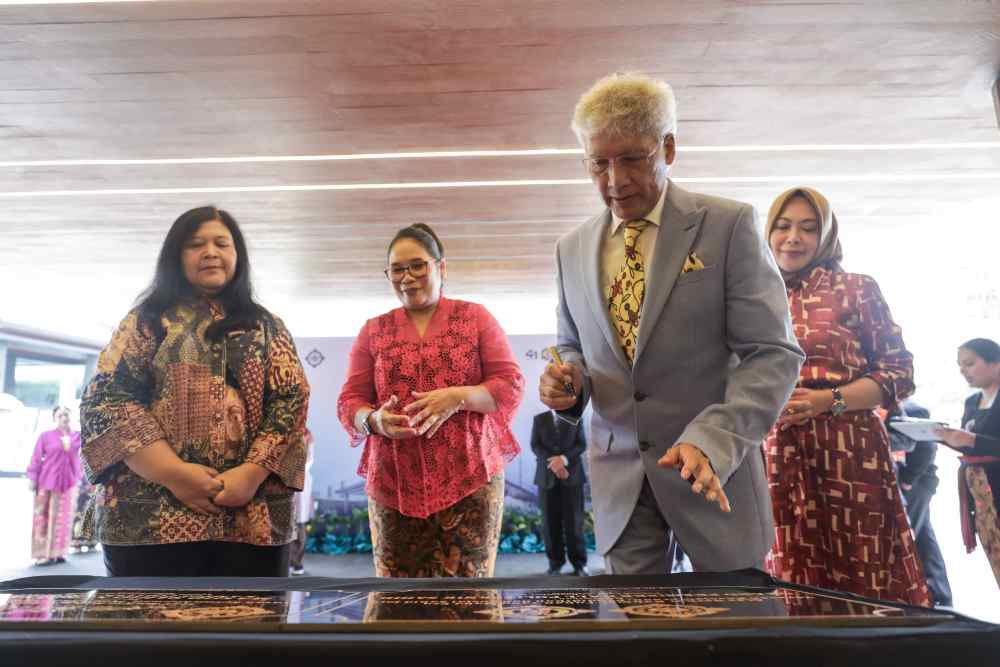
590	269
679	225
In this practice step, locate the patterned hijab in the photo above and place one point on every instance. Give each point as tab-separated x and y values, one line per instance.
829	253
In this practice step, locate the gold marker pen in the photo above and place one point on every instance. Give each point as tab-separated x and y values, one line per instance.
567	386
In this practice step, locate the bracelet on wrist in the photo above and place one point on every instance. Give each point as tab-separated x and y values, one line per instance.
364	426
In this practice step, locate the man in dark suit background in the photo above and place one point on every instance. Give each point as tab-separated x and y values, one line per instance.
918	481
559	475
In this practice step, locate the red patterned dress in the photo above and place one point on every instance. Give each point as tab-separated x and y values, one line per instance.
838	513
444	494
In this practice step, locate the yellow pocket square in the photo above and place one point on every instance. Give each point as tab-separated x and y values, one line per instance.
692	263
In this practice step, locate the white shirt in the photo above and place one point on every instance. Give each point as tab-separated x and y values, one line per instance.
555	421
613	250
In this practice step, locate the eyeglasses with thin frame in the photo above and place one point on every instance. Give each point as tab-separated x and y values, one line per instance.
630	162
417	268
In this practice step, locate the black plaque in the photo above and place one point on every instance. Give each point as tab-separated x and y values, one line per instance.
458	610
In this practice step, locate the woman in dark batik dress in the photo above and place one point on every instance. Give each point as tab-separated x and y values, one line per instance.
193	425
838	513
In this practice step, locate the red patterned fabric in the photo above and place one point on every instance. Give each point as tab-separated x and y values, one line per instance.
966	506
463	345
838	514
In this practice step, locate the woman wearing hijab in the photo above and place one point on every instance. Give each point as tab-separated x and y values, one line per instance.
838	514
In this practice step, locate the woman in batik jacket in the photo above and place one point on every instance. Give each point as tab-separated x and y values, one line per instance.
193	424
838	514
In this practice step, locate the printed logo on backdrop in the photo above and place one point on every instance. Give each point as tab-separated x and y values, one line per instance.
315	358
542	354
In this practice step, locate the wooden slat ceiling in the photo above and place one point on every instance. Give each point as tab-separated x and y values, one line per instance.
222	79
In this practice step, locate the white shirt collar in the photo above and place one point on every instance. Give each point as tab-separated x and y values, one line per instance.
653	216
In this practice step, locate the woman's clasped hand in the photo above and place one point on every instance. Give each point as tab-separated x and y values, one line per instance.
423	416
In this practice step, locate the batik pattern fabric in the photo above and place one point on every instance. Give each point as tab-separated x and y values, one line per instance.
838	513
82	536
462	346
178	387
459	541
987	521
628	289
52	523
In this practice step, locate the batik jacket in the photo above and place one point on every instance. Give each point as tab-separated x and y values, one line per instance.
173	387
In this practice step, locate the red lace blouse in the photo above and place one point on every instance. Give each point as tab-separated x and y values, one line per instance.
463	345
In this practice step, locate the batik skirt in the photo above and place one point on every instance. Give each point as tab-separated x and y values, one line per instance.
987	521
458	541
52	524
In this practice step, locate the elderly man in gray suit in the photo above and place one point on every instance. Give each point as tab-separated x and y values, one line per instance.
673	323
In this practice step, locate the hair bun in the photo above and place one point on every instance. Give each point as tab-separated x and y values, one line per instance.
422	234
427	228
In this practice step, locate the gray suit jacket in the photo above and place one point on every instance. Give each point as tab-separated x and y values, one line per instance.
716	359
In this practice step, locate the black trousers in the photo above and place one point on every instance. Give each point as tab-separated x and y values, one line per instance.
562	524
196	559
918	509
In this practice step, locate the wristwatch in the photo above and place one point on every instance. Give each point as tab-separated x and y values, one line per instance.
364	426
839	406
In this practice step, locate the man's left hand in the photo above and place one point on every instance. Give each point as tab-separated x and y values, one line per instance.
239	484
695	467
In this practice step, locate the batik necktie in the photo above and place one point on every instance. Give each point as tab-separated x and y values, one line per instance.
627	290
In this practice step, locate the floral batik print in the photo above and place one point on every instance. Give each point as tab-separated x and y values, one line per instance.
52	523
460	541
218	403
987	521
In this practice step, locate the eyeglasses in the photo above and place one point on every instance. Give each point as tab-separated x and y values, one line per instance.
630	162
417	268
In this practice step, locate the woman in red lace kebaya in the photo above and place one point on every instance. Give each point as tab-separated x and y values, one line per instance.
431	390
838	514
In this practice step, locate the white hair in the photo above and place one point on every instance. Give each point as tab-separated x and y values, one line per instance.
626	104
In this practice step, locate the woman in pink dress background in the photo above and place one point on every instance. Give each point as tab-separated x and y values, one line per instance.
54	473
431	390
